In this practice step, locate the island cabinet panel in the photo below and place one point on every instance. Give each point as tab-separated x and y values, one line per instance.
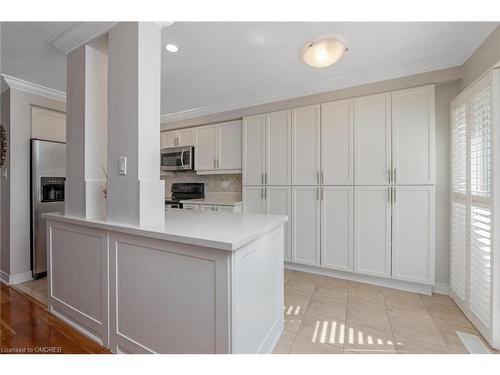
78	274
167	297
258	276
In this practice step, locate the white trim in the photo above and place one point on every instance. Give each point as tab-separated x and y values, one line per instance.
34	88
18	278
78	34
441	288
4	277
338	83
374	280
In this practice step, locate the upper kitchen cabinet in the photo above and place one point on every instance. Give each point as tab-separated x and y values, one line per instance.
229	146
254	149
267	149
205	153
337	143
306	145
218	148
372	139
413	136
279	148
177	138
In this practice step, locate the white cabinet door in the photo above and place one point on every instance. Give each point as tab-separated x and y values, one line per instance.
254	149
336	227
413	136
372	139
306	145
253	200
306	225
168	139
279	202
230	145
205	152
337	143
279	148
413	245
185	137
372	230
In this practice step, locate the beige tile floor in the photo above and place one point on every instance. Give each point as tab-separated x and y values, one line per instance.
35	288
329	315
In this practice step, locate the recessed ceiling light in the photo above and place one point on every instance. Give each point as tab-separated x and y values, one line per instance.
324	52
171	48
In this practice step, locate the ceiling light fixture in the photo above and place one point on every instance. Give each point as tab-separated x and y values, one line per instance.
171	48
324	52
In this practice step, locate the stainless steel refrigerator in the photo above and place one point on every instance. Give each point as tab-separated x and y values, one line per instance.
48	176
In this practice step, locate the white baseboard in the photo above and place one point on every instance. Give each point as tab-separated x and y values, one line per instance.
441	288
18	278
387	283
4	277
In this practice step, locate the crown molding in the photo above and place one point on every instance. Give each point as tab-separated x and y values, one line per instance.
33	88
164	24
78	34
338	83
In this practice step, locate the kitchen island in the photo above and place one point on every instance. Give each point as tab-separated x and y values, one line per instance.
202	282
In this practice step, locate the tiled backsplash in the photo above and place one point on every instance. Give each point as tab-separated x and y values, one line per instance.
213	182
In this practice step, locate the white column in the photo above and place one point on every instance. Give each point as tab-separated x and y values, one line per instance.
136	197
86	130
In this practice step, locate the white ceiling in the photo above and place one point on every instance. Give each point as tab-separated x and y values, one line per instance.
226	65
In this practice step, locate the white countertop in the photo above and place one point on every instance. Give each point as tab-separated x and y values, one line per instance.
225	231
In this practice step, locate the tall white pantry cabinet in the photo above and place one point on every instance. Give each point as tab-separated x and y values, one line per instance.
356	178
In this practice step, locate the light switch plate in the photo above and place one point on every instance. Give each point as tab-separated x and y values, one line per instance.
122	165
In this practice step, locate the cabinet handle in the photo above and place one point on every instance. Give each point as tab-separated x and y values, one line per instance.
218	163
321	193
317	194
265	193
261	193
394	195
317	178
322	178
389	174
215	165
388	194
262	178
395	174
265	178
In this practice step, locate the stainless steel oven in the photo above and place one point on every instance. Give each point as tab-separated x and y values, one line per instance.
177	159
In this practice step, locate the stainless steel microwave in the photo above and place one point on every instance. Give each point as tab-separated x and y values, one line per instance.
177	159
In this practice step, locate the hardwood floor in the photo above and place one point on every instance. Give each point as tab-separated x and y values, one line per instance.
27	327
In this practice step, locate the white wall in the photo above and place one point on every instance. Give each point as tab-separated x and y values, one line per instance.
16	196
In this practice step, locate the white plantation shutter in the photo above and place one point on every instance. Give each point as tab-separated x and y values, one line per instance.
480	263
481	200
471	242
459	191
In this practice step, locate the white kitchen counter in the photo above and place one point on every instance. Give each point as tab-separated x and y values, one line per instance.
225	231
186	286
